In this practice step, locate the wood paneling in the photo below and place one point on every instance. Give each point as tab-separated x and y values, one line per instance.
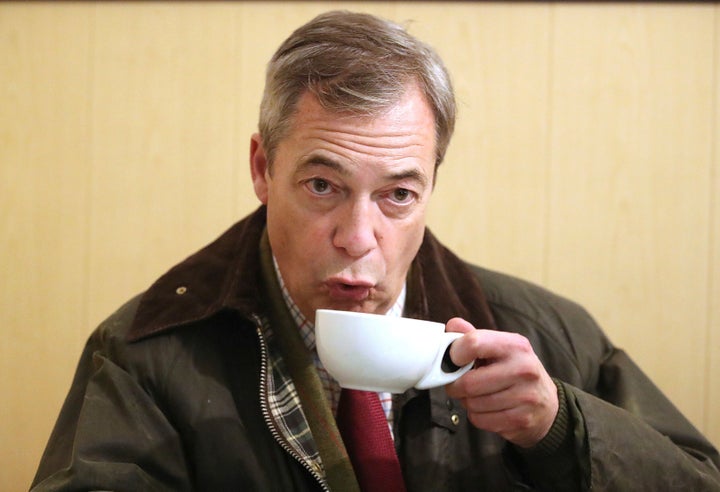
491	194
44	165
632	133
585	159
164	149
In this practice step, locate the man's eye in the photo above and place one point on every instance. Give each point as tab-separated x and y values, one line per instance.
319	186
401	195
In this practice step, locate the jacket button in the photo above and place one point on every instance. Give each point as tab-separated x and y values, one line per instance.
181	290
449	404
455	419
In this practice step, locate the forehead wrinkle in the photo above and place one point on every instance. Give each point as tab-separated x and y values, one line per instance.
366	144
366	137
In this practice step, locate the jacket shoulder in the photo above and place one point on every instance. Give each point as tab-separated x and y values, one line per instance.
564	334
118	324
146	358
538	304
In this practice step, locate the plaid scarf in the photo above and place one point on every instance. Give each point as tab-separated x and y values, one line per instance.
299	413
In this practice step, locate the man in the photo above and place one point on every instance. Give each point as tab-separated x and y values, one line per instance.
209	380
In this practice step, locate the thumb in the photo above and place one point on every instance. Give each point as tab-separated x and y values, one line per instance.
459	325
460	352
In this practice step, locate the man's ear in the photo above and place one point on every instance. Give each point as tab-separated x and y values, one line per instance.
259	168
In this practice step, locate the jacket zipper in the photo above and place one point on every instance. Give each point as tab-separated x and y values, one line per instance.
277	435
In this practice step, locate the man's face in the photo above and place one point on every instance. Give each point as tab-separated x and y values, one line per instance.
346	202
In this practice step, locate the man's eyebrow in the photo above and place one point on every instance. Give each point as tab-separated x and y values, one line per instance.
322	161
412	174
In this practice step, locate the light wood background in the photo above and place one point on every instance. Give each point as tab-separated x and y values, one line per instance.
586	159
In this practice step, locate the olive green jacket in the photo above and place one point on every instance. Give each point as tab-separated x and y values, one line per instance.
170	393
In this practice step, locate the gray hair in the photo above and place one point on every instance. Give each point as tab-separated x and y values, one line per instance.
355	63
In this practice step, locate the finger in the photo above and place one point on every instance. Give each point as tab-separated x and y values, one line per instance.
470	347
522	414
506	399
518	425
481	381
459	325
516	368
510	423
489	345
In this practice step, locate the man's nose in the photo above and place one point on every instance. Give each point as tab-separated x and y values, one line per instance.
356	231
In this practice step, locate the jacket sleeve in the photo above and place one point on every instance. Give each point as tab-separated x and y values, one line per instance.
110	434
625	432
636	438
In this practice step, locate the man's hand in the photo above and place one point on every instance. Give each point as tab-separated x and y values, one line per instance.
508	391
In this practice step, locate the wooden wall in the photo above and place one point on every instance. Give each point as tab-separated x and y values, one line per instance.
586	159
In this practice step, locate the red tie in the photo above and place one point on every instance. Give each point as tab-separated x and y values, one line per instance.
365	432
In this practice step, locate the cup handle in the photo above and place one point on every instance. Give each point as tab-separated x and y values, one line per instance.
437	376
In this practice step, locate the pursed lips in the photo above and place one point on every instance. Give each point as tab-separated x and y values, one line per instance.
349	290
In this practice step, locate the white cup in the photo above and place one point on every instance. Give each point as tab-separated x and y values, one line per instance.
373	352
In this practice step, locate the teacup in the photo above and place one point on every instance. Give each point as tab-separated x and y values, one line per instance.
384	353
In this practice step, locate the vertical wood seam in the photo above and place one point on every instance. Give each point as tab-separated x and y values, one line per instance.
712	233
549	157
234	143
89	151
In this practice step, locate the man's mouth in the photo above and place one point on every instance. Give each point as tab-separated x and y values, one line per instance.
349	291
